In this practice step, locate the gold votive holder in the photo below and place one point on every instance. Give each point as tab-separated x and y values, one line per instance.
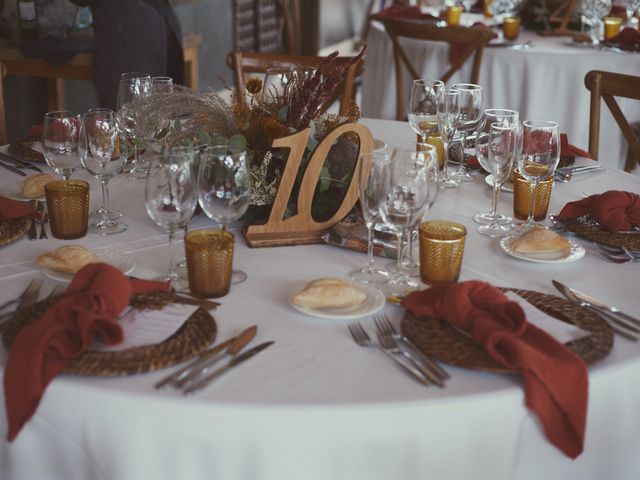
436	141
454	12
441	248
511	28
522	198
68	208
209	255
611	27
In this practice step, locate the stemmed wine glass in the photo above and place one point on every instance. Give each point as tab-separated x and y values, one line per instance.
224	189
102	155
170	198
539	158
60	139
501	149
275	82
422	108
161	85
631	6
471	106
132	86
448	113
504	117
402	209
374	175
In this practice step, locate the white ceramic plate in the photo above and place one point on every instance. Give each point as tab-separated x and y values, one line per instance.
121	261
576	252
378	145
372	304
14	191
506	187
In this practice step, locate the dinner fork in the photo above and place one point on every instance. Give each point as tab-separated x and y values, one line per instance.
29	294
386	328
361	337
621	256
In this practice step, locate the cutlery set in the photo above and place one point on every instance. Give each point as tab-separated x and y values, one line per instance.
33	230
16	165
201	372
565	174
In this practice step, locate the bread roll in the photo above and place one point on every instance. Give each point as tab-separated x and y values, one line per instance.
68	258
541	243
329	293
33	185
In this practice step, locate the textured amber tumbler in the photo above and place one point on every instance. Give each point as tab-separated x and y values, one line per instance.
441	248
510	28
522	198
68	207
209	260
436	141
611	27
454	12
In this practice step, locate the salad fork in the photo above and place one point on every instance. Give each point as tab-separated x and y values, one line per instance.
361	337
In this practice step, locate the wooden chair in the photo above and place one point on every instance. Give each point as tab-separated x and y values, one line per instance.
3	119
607	85
469	40
267	25
246	63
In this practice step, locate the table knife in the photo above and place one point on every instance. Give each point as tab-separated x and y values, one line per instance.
613	314
12	169
19	162
234	362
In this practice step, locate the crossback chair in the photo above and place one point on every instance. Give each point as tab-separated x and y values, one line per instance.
266	25
244	64
3	119
469	40
607	86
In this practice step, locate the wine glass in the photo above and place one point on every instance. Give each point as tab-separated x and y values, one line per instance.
501	149
224	189
60	139
402	209
448	113
161	85
422	108
631	6
275	82
505	117
132	86
374	175
470	102
170	199
539	158
101	155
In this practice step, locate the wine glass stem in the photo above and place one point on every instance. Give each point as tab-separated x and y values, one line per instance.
105	199
463	143
532	202
494	203
400	254
172	234
446	160
370	261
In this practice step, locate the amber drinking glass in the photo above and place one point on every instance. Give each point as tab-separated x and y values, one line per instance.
209	260
441	249
68	208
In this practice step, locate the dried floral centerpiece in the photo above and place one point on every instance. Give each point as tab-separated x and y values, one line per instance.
184	118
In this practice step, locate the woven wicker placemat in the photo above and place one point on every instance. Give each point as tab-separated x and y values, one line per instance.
12	230
438	339
22	149
586	228
192	338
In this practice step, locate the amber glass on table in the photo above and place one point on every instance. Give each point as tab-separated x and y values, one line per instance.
436	141
611	27
511	28
209	256
68	208
441	249
453	14
522	198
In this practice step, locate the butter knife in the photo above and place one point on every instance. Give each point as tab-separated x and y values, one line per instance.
19	162
234	362
12	169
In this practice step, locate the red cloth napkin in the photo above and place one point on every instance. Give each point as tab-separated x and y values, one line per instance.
556	381
97	295
568	150
12	209
402	11
614	210
627	38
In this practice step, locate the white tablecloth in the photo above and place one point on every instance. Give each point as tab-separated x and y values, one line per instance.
544	81
315	405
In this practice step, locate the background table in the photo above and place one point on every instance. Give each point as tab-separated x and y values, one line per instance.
315	405
544	81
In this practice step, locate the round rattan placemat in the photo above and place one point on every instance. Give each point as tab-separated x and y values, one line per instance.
193	337
12	230
438	339
22	149
588	229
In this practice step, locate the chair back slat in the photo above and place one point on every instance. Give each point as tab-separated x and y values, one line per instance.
3	118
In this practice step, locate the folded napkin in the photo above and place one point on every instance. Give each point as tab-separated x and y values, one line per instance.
614	210
555	379
402	11
96	296
12	209
627	38
568	150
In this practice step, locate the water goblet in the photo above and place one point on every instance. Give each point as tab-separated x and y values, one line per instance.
422	108
224	189
102	156
471	107
170	199
275	82
448	113
60	140
132	87
506	118
374	175
501	149
161	85
539	157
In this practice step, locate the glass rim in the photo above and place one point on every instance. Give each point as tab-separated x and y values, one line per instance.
63	114
494	112
427	81
540	124
466	87
133	75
